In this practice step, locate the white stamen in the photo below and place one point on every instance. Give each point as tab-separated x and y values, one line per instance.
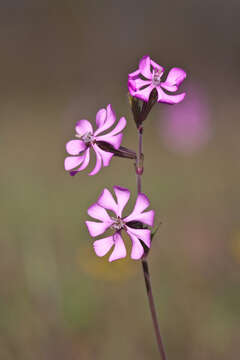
118	224
87	138
156	77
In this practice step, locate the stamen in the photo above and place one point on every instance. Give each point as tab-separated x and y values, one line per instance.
87	138
156	76
118	224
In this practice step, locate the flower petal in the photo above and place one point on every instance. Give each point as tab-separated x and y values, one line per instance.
83	127
74	147
138	83
107	201
142	94
141	204
109	121
119	127
113	137
146	217
102	246
85	160
97	228
142	234
98	212
156	66
98	164
73	161
168	87
137	214
101	117
122	196
119	248
144	67
169	99
134	74
137	248
114	140
175	77
105	155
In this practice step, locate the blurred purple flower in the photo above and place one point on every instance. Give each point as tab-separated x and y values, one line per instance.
133	224
148	77
186	128
88	139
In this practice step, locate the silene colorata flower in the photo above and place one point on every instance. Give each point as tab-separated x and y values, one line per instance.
148	76
87	139
135	225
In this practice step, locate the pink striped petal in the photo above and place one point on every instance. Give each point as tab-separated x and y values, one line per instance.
102	246
74	147
109	121
119	248
146	217
97	228
122	196
107	201
83	127
101	117
72	161
144	67
98	212
142	234
169	99
137	248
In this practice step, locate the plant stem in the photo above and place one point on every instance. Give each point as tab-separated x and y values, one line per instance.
139	172
139	165
152	309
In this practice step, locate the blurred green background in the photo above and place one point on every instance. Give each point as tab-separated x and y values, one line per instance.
61	61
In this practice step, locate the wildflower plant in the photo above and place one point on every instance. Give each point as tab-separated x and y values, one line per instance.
119	224
88	139
147	85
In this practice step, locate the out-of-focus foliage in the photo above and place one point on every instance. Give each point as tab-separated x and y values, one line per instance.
60	62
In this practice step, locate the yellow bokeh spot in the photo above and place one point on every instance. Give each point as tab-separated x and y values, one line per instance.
101	268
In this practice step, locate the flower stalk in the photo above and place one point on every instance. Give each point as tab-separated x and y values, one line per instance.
152	309
146	274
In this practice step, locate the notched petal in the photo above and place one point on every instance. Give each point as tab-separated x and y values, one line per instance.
102	246
74	147
119	251
83	127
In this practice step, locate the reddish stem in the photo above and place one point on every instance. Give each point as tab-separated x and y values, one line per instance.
139	172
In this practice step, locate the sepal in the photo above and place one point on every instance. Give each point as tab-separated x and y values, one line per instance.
141	109
121	152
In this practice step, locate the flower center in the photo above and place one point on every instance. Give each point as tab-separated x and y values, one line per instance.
87	138
118	224
156	77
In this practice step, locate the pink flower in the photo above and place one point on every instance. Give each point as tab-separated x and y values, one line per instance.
88	139
133	224
148	77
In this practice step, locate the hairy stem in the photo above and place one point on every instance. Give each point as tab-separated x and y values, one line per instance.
139	172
